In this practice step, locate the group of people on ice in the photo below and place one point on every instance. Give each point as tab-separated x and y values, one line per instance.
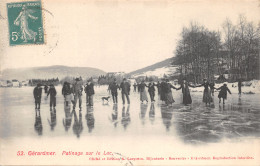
73	92
165	92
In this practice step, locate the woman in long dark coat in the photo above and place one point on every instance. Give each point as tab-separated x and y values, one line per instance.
163	90
168	93
223	93
186	92
206	93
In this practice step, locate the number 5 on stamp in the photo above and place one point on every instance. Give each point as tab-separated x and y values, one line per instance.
25	23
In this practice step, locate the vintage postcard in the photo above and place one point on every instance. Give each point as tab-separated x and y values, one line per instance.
129	82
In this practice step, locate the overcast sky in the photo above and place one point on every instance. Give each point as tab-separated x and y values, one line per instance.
116	36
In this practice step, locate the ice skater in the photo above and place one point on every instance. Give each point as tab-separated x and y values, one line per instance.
168	93
77	90
163	87
206	93
186	92
67	93
37	93
89	89
211	86
239	85
223	93
151	91
52	92
125	91
113	87
143	95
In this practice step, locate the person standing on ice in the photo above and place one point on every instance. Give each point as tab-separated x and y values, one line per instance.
206	93
143	95
168	93
67	93
77	89
211	86
223	93
239	85
163	87
90	92
125	91
113	87
46	89
151	91
135	87
186	92
37	93
52	92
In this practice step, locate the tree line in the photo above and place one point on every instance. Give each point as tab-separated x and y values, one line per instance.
201	53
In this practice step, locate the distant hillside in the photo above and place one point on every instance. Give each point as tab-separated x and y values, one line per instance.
162	64
49	72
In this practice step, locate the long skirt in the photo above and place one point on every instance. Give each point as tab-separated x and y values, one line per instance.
163	96
187	98
143	96
169	98
207	97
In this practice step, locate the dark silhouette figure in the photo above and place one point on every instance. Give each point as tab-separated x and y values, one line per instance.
125	90
206	93
52	92
151	90
223	93
89	89
239	85
113	88
186	92
37	93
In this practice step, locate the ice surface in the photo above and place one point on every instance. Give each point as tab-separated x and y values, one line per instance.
238	118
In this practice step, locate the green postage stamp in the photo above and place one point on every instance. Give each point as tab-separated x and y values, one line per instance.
25	23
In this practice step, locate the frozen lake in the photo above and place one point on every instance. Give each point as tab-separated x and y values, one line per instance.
238	118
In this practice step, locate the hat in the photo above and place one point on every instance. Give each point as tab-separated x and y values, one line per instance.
77	79
124	79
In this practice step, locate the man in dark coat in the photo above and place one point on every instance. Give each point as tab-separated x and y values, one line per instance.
37	93
52	92
125	91
90	92
77	89
151	91
113	87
